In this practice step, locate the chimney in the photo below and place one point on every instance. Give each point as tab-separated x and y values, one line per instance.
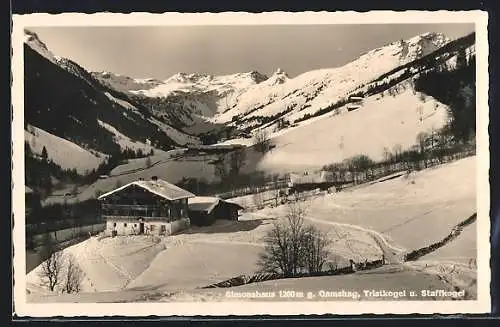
154	178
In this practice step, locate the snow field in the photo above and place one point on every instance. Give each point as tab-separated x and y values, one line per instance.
387	217
176	135
125	142
66	154
377	124
390	279
463	249
400	208
198	264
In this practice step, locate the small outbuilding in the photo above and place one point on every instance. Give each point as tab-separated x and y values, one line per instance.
205	210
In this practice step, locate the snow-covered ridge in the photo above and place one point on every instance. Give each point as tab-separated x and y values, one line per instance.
64	153
243	99
125	83
34	42
318	89
203	83
125	142
247	95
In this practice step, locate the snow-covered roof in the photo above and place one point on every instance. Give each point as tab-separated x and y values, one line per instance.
159	187
203	203
207	203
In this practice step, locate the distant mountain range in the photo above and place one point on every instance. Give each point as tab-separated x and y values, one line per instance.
104	113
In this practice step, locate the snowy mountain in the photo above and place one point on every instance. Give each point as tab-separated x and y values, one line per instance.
249	100
184	99
105	111
33	41
65	102
125	83
318	89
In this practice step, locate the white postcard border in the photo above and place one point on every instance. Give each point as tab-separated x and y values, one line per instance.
481	305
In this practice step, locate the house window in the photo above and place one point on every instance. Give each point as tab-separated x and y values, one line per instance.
152	227
114	224
124	224
135	225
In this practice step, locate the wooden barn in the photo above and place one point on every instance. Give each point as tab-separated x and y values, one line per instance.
309	181
153	207
205	210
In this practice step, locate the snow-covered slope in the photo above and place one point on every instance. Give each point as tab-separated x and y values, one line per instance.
250	100
176	135
247	96
64	98
200	87
381	121
125	142
182	82
36	44
124	83
318	89
407	212
64	153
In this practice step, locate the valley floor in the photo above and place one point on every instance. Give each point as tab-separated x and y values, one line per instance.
387	218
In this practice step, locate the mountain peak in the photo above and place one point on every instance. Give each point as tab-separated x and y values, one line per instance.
421	45
257	77
279	77
280	71
31	37
33	41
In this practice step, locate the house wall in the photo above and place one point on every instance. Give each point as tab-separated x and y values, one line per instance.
159	228
124	203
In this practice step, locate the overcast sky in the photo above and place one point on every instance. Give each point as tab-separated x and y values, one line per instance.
160	52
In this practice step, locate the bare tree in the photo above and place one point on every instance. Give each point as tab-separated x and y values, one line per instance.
314	249
74	276
387	159
421	141
221	169
51	268
396	150
295	221
291	247
262	141
362	163
237	160
276	255
276	188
